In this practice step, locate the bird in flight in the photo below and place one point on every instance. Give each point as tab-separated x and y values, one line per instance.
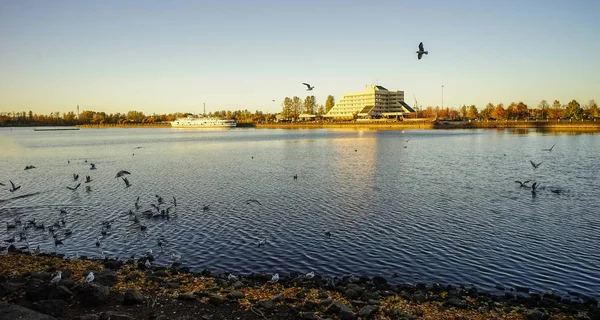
550	149
121	173
252	200
13	187
127	184
535	166
523	184
308	86
74	188
421	51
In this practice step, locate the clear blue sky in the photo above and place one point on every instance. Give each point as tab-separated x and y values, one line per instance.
170	56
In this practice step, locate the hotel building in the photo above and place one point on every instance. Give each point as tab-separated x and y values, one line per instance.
374	102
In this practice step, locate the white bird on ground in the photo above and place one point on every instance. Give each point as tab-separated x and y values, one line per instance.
231	277
90	277
421	51
310	275
57	278
275	278
176	257
148	264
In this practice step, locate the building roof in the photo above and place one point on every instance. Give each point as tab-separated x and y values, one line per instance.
381	88
407	106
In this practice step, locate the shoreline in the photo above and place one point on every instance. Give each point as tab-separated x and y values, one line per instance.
132	291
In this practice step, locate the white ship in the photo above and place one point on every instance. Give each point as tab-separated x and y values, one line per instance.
195	121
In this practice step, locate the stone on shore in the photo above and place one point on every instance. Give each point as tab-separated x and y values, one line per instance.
12	311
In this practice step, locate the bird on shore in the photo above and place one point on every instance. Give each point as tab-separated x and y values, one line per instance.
310	275
176	257
121	173
421	51
57	278
127	184
523	184
549	149
275	278
535	166
90	277
13	187
231	277
147	264
252	200
74	188
308	86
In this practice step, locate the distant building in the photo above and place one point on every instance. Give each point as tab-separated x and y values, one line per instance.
375	102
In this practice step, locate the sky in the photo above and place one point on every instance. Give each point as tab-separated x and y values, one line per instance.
174	56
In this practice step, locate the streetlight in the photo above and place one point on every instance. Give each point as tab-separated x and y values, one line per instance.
442	96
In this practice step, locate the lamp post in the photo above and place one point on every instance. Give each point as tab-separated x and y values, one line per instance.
442	96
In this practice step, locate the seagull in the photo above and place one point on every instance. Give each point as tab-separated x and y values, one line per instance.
147	264
174	201
88	188
75	177
137	148
421	51
57	278
550	148
275	278
90	277
310	275
88	179
308	86
127	185
535	166
522	183
137	203
175	257
13	188
295	177
74	188
252	200
92	166
231	277
98	242
29	167
121	173
534	187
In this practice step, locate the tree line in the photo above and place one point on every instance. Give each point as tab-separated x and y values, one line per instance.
292	107
516	111
93	117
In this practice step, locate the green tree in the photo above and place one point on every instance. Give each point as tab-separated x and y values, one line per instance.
543	106
574	109
329	103
321	109
135	116
486	113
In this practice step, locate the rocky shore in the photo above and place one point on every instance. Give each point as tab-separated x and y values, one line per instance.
128	290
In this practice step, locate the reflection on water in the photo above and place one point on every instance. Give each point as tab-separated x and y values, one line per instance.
428	205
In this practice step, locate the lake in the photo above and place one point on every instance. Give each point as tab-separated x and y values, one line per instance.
414	206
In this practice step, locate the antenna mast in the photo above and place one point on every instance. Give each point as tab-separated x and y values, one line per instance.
204	112
416	107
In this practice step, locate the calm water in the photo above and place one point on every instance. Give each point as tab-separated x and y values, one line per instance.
444	209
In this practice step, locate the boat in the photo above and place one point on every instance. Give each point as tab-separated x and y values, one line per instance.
195	121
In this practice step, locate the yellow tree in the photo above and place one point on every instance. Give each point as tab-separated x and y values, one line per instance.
499	112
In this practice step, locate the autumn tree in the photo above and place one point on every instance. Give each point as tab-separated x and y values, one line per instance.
287	107
321	109
472	112
543	106
463	111
329	103
499	112
310	104
592	109
296	106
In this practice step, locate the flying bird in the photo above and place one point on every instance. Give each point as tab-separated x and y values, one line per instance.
29	167
13	187
75	177
74	188
252	200
88	179
535	166
522	183
127	184
421	51
550	149
137	148
121	173
92	166
308	86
